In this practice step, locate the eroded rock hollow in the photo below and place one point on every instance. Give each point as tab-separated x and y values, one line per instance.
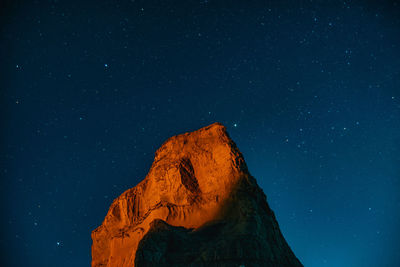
197	206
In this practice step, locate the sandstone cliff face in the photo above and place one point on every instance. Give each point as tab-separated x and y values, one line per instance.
197	206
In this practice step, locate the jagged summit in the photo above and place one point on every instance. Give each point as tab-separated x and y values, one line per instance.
197	206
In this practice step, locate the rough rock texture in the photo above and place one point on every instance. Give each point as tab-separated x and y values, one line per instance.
198	206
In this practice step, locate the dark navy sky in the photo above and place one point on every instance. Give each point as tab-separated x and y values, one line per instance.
310	92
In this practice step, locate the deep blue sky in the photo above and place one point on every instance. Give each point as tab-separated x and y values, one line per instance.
310	92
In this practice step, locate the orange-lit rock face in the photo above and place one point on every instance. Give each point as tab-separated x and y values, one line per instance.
190	183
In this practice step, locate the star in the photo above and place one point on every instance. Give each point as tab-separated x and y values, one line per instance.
106	65
58	243
235	125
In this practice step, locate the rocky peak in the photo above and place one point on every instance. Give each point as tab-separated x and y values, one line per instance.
198	184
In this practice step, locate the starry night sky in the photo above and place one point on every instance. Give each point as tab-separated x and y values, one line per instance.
309	91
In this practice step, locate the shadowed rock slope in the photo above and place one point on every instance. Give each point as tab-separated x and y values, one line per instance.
197	206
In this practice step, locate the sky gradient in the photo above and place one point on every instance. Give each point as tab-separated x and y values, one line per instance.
310	92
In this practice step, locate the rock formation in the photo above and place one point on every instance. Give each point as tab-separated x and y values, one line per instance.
198	206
